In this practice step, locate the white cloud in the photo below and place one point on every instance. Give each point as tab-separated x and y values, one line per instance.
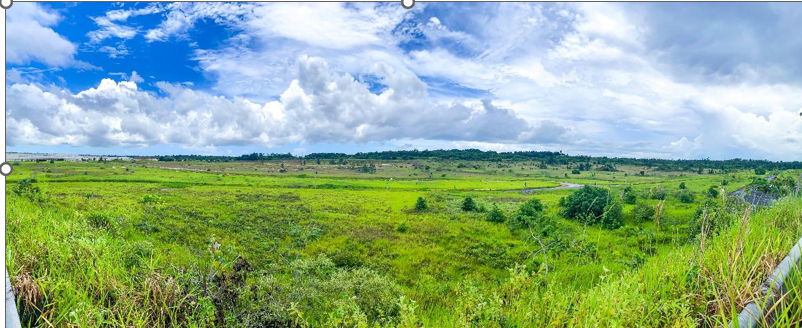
29	27
110	25
133	77
327	25
136	78
584	78
318	106
110	29
119	51
181	16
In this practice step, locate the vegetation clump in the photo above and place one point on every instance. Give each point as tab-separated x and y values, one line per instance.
530	214
643	212
657	192
685	197
420	204
712	192
590	205
495	215
102	220
469	205
629	196
29	189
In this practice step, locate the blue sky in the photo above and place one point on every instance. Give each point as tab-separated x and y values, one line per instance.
668	80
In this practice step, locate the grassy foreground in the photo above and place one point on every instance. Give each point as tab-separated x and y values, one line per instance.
123	254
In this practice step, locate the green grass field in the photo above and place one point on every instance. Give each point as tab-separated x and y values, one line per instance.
301	244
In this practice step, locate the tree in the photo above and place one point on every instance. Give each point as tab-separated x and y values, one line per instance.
760	171
575	171
495	215
468	205
643	212
528	215
629	196
685	197
713	216
531	207
712	192
586	205
682	185
531	216
657	192
420	205
613	216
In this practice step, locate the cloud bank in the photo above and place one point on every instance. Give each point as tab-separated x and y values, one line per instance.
614	79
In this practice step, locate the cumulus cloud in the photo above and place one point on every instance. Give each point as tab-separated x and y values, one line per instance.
29	27
318	106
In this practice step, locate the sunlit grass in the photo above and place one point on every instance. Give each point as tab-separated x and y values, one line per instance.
148	263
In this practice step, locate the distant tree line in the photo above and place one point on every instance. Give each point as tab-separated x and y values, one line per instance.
545	157
247	157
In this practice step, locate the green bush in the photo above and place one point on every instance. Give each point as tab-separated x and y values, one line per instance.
420	204
613	216
629	196
28	189
531	207
530	214
657	192
643	212
375	295
468	205
495	215
682	185
712	192
102	220
685	197
586	205
402	227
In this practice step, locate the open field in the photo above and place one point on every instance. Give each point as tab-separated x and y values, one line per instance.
325	243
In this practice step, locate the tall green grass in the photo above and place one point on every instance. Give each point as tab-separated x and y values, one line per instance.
74	261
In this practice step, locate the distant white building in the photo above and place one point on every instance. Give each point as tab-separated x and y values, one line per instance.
23	157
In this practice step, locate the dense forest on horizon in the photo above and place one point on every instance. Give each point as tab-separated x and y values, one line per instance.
546	157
